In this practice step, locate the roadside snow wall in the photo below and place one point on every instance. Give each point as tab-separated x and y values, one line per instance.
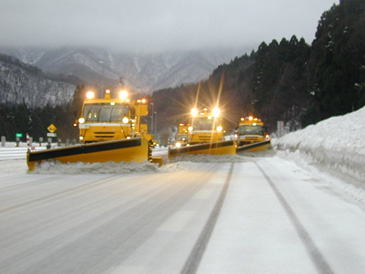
336	144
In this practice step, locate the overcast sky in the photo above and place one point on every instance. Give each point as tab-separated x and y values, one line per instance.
157	25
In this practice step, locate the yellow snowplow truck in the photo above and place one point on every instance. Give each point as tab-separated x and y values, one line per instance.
110	129
182	136
205	136
251	135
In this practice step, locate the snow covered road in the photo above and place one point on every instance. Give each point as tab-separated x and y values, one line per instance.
278	218
247	215
7	153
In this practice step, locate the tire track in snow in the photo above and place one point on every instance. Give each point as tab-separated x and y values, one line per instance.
192	263
59	194
313	251
27	184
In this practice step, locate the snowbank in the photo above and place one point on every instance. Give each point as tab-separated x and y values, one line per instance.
55	167
336	145
206	158
180	163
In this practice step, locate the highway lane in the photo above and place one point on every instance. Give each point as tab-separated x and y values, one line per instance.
279	218
12	153
256	215
103	223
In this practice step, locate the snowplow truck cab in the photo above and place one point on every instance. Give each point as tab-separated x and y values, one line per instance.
109	118
205	126
205	136
182	136
251	134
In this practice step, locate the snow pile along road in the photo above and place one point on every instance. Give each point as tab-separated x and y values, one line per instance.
336	145
180	163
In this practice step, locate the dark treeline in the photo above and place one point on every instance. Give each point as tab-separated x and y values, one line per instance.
288	80
34	121
20	119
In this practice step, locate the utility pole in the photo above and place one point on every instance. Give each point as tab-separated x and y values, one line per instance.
155	125
102	76
152	124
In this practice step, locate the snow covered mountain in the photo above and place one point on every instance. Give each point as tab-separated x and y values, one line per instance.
144	72
22	83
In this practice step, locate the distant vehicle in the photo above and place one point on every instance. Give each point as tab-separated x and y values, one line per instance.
204	135
206	126
182	136
251	135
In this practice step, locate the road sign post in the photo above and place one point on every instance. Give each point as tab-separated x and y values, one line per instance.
52	129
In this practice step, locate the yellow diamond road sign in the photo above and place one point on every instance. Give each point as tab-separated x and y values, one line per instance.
51	128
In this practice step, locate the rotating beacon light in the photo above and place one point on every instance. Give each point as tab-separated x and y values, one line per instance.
123	94
90	95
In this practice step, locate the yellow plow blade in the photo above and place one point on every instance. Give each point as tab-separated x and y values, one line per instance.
258	146
124	150
214	148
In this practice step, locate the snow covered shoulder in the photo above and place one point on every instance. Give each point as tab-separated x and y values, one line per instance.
336	145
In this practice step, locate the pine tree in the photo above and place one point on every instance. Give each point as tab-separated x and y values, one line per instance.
338	59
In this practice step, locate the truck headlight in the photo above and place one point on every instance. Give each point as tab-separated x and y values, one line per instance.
216	112
194	112
125	120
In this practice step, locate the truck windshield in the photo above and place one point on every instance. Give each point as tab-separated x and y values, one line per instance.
203	123
182	137
251	129
105	112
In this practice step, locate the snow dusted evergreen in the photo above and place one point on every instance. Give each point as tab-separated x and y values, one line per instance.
22	83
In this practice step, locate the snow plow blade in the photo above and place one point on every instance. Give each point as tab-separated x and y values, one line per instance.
215	148
124	150
259	146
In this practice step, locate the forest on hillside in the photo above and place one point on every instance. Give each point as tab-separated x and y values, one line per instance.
283	80
22	119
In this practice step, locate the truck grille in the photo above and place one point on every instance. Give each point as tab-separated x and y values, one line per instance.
103	135
252	138
204	138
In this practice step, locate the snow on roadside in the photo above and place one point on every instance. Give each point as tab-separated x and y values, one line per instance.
13	166
55	167
181	163
203	158
335	145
